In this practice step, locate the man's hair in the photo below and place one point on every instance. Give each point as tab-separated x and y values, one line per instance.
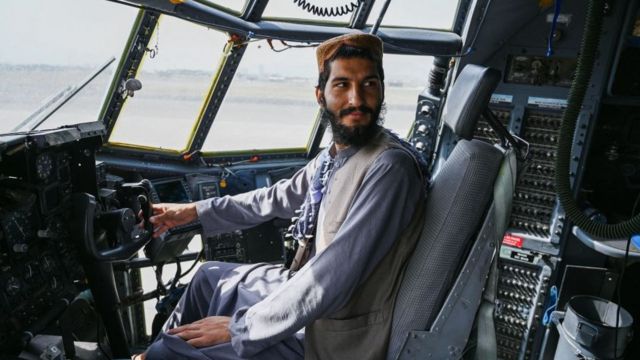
347	51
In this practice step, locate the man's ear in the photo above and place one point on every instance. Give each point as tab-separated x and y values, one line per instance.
320	97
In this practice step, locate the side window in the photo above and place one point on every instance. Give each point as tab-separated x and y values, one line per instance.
270	104
405	77
49	49
176	74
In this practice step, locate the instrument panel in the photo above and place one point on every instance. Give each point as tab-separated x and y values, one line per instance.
39	267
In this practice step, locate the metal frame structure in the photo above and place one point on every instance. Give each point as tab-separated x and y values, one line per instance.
248	25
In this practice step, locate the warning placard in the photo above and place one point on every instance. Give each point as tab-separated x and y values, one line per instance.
512	240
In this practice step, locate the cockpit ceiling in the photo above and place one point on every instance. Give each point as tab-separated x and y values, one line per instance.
420	41
223	95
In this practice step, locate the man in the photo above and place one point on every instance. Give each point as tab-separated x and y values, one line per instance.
359	207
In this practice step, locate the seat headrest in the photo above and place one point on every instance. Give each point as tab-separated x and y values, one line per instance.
468	97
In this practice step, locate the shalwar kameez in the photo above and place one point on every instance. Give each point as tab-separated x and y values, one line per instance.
269	305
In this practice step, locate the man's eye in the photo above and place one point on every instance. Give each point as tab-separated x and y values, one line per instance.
370	83
341	84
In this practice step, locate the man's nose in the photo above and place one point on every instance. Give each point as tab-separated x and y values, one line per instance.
356	96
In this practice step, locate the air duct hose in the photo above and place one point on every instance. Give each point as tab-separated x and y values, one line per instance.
588	49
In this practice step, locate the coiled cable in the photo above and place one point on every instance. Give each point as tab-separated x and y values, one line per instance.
328	11
584	69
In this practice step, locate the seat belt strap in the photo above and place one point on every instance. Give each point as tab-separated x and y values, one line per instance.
502	194
302	255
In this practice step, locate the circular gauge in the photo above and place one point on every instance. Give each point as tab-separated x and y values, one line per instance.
13	286
17	232
44	165
28	271
46	263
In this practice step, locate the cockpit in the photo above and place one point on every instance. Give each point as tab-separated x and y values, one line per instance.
108	106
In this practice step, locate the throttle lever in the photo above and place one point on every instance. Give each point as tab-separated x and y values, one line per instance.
140	191
145	206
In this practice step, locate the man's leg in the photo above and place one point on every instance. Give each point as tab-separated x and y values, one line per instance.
220	289
199	296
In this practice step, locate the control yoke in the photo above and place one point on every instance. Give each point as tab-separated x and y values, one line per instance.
114	235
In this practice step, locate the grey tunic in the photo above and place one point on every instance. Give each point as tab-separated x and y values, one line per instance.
268	309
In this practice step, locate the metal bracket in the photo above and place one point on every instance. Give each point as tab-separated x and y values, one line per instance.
450	331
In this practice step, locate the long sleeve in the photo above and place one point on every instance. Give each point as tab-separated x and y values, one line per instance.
381	210
223	214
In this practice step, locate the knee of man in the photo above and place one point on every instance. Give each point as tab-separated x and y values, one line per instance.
208	272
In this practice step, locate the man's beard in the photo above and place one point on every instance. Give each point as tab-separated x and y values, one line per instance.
358	135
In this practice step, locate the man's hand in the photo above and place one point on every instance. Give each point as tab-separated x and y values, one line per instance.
166	216
212	330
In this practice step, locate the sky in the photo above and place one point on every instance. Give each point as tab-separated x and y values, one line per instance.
88	32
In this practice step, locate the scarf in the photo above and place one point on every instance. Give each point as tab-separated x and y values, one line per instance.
303	228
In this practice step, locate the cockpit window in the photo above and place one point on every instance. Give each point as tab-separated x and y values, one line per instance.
176	75
52	48
429	14
270	103
310	10
234	6
405	77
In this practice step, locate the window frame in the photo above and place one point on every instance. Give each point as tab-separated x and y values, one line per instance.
196	122
398	40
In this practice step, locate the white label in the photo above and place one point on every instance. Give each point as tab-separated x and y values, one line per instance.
501	98
547	102
562	18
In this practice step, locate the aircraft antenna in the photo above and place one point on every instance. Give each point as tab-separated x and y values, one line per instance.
62	98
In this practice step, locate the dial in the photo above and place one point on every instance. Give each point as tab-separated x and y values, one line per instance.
44	165
17	231
13	286
46	263
28	271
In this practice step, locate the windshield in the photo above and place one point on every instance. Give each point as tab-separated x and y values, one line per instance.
176	78
270	103
432	14
55	47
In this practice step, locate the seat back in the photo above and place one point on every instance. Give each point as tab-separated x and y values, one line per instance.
463	216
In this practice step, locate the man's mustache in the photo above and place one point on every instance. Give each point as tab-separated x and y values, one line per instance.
362	108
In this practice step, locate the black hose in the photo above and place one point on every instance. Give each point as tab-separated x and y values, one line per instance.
588	51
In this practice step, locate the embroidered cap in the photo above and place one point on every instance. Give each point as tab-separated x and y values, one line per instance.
328	49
